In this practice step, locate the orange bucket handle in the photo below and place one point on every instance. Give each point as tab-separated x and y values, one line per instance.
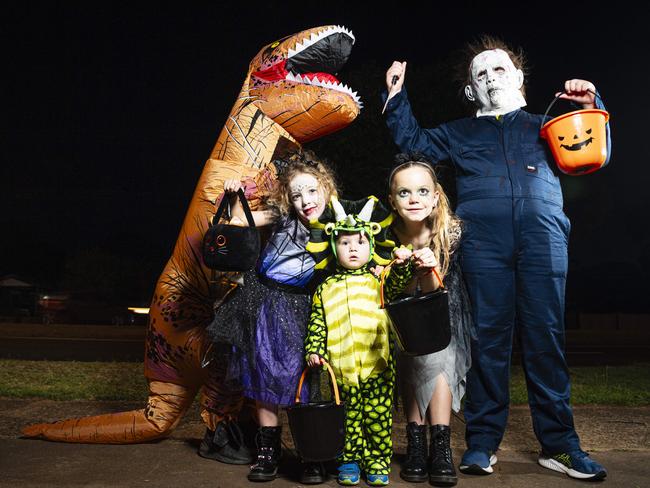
556	99
384	273
335	388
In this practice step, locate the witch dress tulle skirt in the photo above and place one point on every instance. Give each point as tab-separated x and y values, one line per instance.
453	363
265	324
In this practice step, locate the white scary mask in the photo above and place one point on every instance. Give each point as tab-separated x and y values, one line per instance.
496	84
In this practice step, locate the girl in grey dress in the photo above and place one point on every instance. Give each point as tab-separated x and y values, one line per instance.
435	383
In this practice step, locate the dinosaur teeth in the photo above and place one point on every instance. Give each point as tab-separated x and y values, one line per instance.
327	84
317	36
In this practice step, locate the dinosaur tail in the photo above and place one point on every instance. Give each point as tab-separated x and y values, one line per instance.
165	407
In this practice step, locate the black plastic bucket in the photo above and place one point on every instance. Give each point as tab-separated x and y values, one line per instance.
421	321
318	429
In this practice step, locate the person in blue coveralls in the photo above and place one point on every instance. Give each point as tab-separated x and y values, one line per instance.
513	252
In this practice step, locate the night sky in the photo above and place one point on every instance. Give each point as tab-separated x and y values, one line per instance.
111	111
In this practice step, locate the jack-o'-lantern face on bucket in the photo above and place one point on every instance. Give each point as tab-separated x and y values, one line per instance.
577	145
578	140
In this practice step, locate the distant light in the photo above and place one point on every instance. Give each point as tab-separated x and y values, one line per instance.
45	297
139	310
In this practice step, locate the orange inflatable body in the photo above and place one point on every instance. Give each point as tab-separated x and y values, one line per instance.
289	97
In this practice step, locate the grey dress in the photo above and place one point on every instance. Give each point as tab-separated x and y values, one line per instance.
453	362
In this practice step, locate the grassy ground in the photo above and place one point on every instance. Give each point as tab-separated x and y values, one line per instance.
69	380
605	385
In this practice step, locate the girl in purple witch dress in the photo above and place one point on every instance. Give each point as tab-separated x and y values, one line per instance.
266	319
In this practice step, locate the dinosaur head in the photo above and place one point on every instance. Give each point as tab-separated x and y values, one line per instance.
293	82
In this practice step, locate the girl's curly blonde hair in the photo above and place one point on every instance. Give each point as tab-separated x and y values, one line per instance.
301	162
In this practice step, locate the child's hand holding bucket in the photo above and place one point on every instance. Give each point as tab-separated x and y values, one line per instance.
377	270
401	255
315	360
578	91
424	259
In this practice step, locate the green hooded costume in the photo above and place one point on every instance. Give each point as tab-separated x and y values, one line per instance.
350	330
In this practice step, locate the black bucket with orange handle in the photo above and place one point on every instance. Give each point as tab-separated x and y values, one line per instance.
421	321
318	428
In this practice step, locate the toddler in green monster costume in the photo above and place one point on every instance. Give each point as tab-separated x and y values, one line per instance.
349	329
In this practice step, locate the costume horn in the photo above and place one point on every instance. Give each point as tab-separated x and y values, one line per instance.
339	211
366	211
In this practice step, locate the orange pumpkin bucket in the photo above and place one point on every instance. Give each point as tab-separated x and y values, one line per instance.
578	140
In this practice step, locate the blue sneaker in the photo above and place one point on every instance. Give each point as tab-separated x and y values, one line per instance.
377	479
349	474
477	461
576	464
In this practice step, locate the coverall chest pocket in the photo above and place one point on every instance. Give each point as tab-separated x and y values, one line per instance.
535	160
480	160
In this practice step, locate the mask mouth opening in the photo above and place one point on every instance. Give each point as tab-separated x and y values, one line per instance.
315	61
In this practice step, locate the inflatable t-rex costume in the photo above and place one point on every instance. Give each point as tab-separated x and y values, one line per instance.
289	97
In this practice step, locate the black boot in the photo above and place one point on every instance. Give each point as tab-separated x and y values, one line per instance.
441	463
225	444
268	454
414	468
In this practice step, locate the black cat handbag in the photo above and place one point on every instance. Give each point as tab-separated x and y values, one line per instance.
231	247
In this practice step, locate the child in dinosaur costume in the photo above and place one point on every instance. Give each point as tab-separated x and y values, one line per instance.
289	96
350	331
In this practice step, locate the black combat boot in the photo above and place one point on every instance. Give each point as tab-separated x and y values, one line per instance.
441	463
226	444
268	454
414	468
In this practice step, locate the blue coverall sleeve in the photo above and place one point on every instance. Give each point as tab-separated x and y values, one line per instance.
407	133
600	105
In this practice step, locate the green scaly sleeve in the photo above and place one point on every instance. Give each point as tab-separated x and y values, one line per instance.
316	340
397	279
